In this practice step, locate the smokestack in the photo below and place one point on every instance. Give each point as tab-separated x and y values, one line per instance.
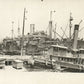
32	28
76	28
50	29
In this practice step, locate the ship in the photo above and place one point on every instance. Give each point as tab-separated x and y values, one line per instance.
70	57
11	47
66	55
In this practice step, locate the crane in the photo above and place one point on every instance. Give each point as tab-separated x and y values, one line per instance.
63	32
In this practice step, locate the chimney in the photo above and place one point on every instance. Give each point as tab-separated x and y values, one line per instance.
32	28
50	29
76	29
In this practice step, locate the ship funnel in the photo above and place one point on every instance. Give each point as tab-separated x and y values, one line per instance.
76	29
32	28
50	29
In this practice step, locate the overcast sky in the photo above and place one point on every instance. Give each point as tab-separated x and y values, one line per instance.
39	14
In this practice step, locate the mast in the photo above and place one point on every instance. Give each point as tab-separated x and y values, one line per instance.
70	25
18	30
12	30
22	43
55	32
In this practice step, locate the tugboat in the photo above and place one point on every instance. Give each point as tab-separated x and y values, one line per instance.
67	58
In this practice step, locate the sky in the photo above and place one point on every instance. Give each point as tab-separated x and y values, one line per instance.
38	13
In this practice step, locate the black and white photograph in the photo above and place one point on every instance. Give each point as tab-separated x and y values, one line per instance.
42	36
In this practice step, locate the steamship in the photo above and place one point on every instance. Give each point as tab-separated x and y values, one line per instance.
64	57
61	57
68	58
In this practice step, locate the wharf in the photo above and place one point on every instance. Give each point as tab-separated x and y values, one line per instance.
14	57
40	64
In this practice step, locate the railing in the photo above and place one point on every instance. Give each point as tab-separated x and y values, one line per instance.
69	62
